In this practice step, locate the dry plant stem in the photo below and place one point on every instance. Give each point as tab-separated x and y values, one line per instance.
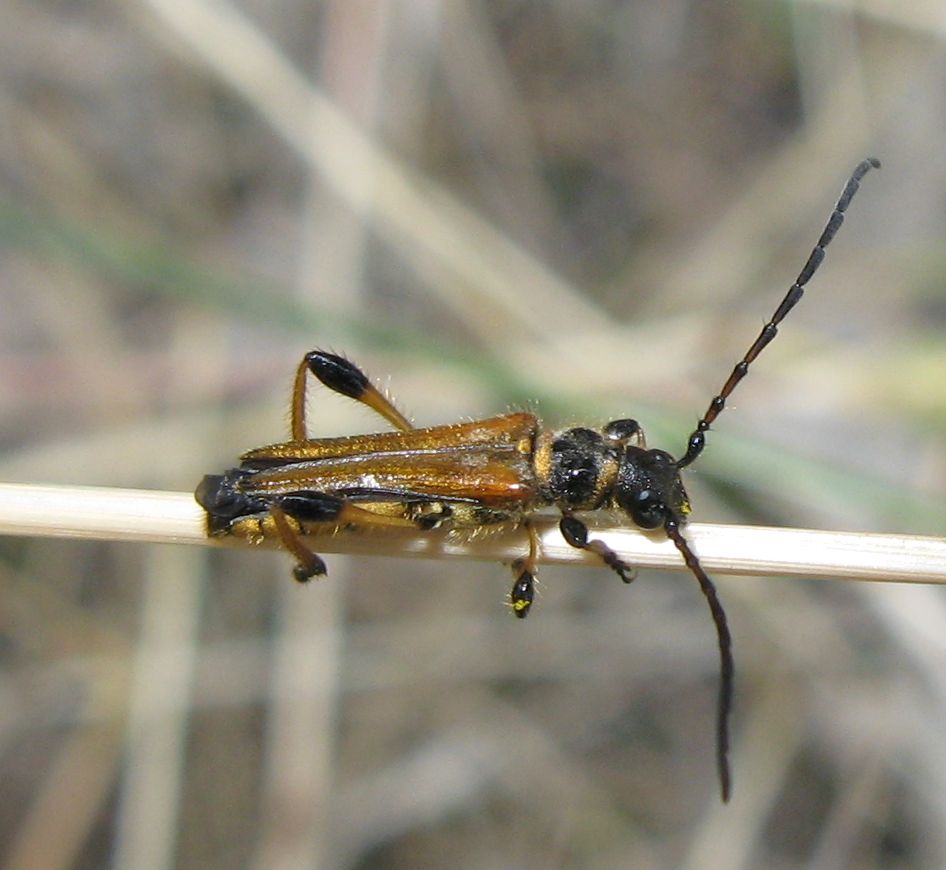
108	514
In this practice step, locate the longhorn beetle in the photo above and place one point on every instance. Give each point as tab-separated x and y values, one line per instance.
483	473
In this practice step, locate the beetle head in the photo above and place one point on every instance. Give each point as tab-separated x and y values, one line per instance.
649	489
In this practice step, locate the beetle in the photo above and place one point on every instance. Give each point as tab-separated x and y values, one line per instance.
491	472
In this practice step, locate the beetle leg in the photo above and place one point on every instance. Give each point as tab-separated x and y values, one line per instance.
344	377
576	533
309	506
291	514
523	572
622	432
308	564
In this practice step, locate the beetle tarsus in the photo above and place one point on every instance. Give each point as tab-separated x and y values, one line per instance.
523	589
303	573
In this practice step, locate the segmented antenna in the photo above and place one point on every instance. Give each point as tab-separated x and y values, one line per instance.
726	667
697	440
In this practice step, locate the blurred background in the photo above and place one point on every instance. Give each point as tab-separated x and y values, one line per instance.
584	208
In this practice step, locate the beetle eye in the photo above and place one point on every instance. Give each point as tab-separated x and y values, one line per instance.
647	511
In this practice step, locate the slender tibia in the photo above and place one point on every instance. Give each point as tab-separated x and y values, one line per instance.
308	564
575	533
295	513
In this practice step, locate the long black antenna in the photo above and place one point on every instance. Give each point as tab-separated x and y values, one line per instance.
697	440
726	667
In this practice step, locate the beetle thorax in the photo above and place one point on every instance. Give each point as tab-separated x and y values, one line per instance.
577	468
